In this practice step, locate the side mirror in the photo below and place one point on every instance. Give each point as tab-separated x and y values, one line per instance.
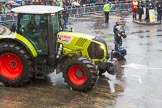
13	27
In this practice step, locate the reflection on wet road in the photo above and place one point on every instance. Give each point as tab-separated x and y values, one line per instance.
142	70
136	85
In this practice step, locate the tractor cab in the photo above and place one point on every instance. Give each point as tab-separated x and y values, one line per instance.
40	27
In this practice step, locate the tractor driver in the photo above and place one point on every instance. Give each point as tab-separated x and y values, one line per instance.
32	31
31	26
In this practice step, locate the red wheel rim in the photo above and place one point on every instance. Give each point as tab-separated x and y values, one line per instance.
77	74
10	65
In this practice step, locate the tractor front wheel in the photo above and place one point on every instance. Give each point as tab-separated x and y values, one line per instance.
15	64
118	55
80	73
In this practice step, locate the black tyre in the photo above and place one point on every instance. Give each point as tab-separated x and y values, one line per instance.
80	73
117	55
15	65
101	71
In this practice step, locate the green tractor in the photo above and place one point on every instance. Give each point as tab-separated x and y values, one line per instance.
27	54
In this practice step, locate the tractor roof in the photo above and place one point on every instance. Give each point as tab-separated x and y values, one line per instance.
36	9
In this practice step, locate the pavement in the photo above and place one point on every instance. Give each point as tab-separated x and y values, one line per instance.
143	22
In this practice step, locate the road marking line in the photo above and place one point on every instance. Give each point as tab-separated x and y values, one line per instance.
138	77
140	80
139	66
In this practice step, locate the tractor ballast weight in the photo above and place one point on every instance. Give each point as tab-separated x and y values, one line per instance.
26	55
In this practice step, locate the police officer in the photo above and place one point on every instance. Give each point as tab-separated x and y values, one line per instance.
106	10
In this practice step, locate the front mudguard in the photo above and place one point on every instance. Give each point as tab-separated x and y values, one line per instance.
110	66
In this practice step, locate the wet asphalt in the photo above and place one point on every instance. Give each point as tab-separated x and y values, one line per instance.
136	85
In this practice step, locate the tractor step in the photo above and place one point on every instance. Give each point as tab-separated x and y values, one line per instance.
40	70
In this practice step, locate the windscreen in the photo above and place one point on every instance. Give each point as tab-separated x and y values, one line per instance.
34	28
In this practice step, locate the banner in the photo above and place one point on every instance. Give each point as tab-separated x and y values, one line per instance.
152	15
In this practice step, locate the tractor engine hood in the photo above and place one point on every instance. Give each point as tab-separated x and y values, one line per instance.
90	45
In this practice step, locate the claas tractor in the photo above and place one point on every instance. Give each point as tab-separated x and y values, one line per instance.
30	54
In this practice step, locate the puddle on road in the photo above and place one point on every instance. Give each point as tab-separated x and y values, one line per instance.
159	35
160	41
141	36
147	31
159	30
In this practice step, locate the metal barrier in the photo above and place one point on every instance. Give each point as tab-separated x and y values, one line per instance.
76	11
97	8
7	18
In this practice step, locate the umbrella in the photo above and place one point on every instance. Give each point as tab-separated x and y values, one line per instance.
28	0
17	1
75	4
10	2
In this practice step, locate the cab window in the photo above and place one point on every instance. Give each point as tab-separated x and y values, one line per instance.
56	23
34	27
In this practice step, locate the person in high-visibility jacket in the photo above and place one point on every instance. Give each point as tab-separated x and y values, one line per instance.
135	9
106	10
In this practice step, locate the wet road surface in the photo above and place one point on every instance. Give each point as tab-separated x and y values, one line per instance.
43	94
136	85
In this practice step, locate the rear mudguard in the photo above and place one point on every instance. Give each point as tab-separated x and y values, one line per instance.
21	40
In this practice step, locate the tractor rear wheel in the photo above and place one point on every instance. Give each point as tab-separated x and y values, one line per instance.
15	65
80	73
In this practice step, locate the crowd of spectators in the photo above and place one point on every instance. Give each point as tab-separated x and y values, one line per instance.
151	8
5	7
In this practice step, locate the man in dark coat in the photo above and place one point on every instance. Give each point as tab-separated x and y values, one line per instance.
31	26
140	9
117	36
65	17
149	5
159	10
